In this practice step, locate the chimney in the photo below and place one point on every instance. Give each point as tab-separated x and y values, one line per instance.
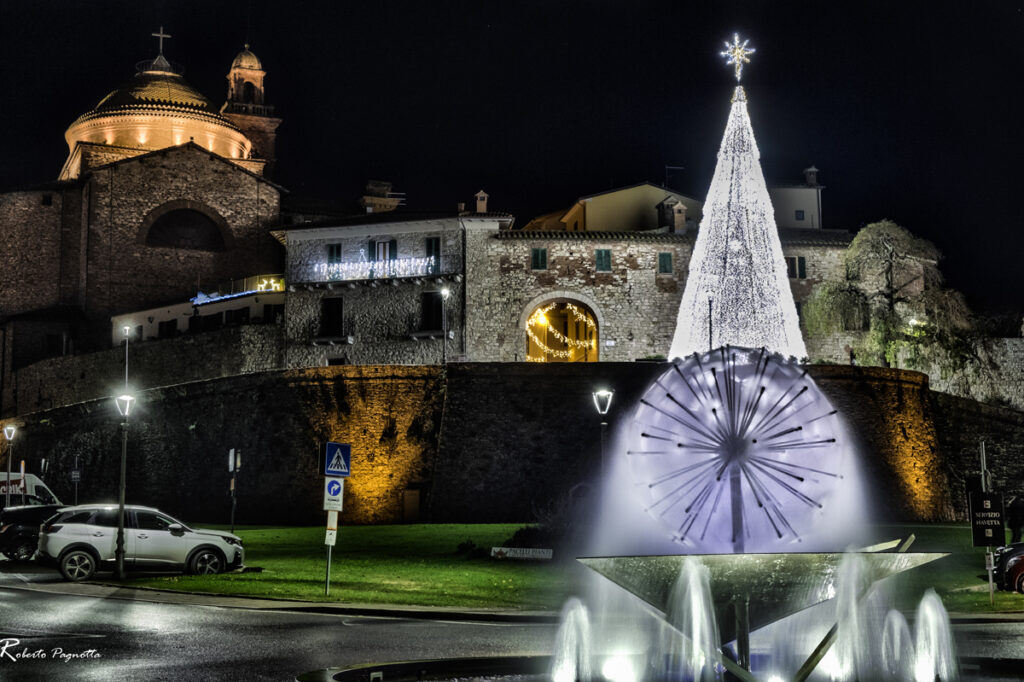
811	176
481	202
679	218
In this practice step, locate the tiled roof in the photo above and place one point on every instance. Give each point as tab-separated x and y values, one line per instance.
799	236
389	217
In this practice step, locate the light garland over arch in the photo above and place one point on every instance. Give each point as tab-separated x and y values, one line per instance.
538	319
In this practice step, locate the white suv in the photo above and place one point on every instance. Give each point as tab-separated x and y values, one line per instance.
82	539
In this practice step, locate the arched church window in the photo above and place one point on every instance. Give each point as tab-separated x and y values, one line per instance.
249	93
185	228
561	331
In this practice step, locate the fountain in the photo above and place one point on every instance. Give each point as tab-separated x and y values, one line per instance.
721	556
738	450
743	464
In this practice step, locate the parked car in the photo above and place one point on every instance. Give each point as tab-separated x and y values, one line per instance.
19	528
1009	567
81	540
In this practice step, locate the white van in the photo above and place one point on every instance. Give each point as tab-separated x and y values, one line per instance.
32	485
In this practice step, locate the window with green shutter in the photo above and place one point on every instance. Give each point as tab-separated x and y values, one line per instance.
333	253
538	259
603	259
665	263
796	267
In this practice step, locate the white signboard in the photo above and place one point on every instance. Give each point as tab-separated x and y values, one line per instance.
332	520
333	490
520	553
331	537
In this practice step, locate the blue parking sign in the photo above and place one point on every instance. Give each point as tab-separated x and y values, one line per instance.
338	460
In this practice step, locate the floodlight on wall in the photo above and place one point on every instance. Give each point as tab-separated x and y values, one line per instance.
124	403
9	431
445	293
603	400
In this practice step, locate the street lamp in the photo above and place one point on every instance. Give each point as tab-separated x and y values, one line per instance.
603	403
445	293
9	432
124	406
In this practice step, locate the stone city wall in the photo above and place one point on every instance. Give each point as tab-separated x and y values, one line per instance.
964	425
893	427
165	362
179	437
472	442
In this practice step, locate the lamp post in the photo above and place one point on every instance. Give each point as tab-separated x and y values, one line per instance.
603	403
9	432
445	293
124	406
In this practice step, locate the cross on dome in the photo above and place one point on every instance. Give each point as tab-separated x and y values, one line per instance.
161	35
737	54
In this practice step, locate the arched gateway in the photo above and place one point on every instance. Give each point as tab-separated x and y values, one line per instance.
561	329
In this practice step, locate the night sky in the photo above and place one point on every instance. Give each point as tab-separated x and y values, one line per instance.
908	108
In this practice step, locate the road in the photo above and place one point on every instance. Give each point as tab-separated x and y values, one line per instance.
55	636
122	639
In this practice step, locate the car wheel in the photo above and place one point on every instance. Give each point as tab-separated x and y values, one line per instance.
23	550
78	564
206	562
1020	583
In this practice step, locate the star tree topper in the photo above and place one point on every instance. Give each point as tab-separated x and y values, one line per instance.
737	54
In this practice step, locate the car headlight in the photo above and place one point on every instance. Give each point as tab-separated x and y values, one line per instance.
233	541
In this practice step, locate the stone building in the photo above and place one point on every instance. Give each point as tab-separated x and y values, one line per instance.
160	195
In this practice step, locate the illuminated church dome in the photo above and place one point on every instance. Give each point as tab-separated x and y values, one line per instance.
246	60
154	110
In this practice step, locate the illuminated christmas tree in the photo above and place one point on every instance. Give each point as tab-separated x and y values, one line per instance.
737	292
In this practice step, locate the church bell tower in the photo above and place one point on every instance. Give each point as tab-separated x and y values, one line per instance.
246	107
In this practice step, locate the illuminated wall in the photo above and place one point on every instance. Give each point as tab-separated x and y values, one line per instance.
481	442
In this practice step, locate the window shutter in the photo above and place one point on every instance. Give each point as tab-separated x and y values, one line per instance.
665	263
393	249
801	267
371	250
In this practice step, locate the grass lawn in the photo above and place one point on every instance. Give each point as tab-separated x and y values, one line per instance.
960	579
421	565
407	564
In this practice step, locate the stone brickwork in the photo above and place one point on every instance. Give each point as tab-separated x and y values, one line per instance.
167	362
125	274
473	442
998	380
179	437
30	265
889	417
386	318
635	306
964	424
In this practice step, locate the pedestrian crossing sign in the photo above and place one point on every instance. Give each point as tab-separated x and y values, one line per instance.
338	460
